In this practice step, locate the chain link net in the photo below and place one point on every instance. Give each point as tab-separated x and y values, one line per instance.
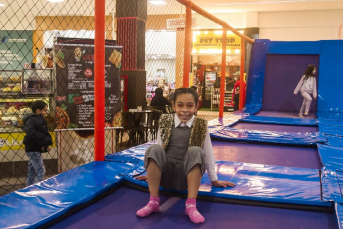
47	53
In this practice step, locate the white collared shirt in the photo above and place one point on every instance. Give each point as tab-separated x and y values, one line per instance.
209	159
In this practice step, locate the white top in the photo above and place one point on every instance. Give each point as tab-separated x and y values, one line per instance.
209	159
309	86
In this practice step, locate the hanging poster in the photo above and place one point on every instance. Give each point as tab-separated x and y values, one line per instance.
75	85
15	49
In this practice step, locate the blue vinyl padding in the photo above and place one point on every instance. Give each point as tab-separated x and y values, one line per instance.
334	141
330	185
295	47
256	75
331	156
265	136
280	184
339	214
40	203
338	116
279	120
252	110
130	155
331	127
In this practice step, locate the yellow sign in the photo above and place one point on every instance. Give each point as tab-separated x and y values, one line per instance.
14	141
211	42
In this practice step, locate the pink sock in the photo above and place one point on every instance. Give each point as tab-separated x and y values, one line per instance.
152	206
192	212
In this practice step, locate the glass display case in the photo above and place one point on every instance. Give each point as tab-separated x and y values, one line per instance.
37	81
10	83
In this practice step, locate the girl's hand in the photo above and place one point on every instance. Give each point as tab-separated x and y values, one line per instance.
314	97
142	178
223	184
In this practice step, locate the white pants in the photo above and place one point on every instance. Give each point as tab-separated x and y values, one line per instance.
306	103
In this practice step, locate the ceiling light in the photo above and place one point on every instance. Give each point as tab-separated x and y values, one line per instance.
55	0
157	2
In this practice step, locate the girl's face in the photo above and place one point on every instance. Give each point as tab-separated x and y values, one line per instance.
185	107
314	71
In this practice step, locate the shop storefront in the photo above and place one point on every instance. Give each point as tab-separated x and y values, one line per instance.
206	66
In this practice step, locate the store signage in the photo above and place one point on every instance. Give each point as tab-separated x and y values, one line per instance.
16	48
14	141
176	23
75	85
211	42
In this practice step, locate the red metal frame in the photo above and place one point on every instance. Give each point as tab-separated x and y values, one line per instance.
99	81
222	79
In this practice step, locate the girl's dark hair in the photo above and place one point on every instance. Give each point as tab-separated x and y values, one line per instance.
184	90
38	104
309	71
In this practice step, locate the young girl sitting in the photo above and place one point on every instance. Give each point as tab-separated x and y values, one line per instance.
182	152
307	86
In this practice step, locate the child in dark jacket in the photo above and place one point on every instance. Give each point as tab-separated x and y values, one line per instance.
36	140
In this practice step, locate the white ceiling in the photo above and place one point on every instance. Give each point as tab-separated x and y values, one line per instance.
86	7
236	6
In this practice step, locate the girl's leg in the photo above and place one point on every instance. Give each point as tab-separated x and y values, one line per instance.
154	158
154	177
302	109
196	157
193	180
308	101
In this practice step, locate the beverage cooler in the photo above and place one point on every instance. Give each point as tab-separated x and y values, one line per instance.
210	80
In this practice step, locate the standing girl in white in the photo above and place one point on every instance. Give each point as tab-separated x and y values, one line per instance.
307	86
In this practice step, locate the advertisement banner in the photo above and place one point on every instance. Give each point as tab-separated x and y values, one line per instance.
16	47
14	141
211	42
75	85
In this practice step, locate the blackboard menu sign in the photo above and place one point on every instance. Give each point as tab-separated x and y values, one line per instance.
75	85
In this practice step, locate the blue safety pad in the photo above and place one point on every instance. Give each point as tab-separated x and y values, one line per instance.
330	81
255	83
295	47
252	110
132	155
334	141
331	115
330	185
331	156
339	214
265	136
279	120
262	183
332	127
40	203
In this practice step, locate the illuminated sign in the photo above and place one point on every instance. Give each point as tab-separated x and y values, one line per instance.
211	42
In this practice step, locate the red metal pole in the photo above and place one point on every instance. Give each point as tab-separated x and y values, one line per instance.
222	80
99	81
241	83
187	49
206	14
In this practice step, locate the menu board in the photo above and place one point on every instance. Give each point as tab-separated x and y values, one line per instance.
75	85
15	49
